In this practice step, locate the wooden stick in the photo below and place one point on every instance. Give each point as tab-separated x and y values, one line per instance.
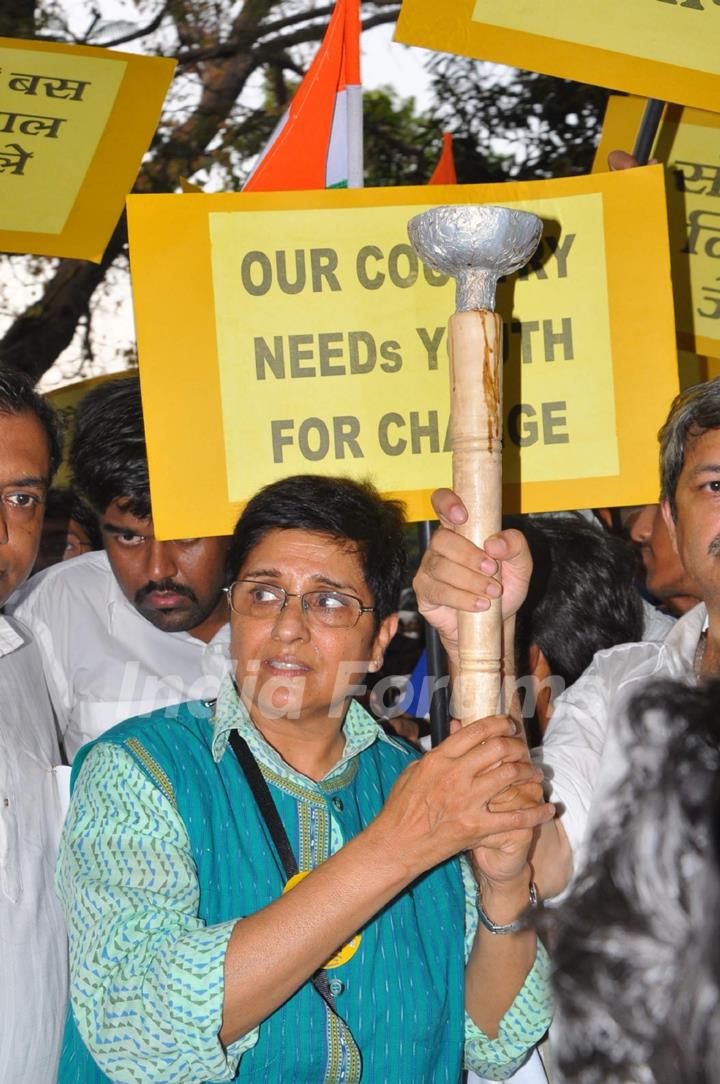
477	245
475	347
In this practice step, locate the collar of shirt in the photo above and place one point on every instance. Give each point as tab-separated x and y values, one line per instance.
359	727
683	637
10	638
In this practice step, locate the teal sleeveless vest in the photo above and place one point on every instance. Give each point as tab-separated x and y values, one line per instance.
399	1001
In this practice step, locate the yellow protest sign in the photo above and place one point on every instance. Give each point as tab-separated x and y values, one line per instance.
307	351
305	335
665	49
75	122
688	143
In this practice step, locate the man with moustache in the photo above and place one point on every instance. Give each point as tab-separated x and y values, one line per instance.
142	624
33	950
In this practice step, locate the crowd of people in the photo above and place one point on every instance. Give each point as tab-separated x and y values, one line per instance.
260	880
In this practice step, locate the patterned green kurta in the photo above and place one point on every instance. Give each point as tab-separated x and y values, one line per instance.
164	849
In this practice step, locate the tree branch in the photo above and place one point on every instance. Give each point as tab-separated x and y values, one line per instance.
301	16
152	26
293	20
264	50
37	337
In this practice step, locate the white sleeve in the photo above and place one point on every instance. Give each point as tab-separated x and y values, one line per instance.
32	607
572	751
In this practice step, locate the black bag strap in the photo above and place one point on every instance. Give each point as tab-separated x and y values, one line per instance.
268	811
264	801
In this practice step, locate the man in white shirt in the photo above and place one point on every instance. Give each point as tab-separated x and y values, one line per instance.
580	751
33	952
143	624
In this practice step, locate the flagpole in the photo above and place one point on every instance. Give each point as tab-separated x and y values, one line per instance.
438	707
648	129
356	170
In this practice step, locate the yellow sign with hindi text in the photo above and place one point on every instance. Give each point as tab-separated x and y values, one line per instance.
75	122
306	335
665	49
688	143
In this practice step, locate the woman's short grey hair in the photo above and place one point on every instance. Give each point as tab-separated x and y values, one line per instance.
692	413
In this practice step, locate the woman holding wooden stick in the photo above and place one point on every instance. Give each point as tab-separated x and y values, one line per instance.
267	888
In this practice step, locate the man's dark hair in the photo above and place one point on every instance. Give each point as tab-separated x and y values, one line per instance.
693	412
345	510
582	595
64	503
18	396
108	456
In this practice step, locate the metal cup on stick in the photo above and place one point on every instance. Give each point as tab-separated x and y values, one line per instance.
476	245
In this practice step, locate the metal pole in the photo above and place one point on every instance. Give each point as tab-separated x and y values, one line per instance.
647	131
436	663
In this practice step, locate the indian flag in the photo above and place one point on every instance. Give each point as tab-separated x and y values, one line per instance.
444	172
319	142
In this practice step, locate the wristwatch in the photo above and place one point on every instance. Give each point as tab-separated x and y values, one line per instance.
519	923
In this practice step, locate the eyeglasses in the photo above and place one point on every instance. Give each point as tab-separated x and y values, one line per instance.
332	609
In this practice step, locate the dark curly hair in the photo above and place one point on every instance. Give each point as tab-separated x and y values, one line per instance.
582	596
108	457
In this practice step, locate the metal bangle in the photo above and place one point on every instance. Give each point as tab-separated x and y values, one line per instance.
509	927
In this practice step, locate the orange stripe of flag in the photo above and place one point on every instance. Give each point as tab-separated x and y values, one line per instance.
444	172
